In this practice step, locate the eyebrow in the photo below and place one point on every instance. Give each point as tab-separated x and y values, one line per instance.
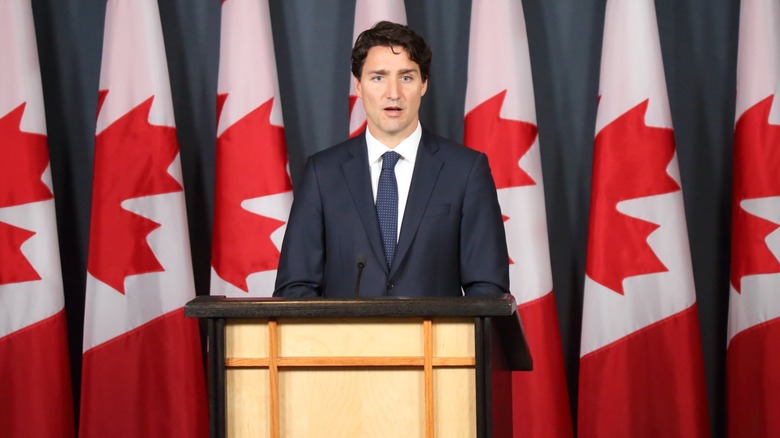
383	72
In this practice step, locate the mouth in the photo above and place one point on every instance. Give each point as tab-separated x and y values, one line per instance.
393	111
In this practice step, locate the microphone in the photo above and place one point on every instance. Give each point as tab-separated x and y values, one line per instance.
361	263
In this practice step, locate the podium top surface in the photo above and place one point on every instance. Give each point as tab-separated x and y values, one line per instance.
222	307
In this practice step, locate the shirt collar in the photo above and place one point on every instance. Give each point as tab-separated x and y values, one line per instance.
407	148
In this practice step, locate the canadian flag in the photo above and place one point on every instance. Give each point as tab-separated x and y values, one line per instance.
367	14
253	187
641	370
753	357
142	371
501	121
35	391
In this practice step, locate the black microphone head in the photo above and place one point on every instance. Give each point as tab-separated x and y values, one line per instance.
361	263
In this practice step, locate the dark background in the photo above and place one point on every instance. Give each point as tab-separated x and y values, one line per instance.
313	42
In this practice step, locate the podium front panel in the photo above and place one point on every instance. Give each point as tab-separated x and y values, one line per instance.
355	402
350	338
247	338
411	377
455	402
247	402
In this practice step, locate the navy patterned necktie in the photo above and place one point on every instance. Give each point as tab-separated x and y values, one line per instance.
387	205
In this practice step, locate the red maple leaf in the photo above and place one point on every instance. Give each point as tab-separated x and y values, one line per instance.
132	158
506	218
629	162
251	162
352	101
101	99
756	164
15	267
23	160
504	141
221	98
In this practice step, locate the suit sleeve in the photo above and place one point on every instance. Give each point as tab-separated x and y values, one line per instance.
484	259
302	259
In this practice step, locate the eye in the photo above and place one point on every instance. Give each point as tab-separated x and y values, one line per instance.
376	78
407	78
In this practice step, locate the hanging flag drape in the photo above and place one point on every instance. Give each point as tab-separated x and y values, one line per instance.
753	357
142	371
501	121
35	387
253	188
641	370
367	14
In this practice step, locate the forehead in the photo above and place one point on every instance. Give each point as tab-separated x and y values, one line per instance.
388	59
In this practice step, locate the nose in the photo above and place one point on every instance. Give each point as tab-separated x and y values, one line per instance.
393	90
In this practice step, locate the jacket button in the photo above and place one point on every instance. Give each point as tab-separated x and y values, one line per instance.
390	285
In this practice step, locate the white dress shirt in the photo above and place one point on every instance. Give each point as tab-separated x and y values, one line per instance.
407	149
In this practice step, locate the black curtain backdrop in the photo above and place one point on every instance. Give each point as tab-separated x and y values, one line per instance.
313	43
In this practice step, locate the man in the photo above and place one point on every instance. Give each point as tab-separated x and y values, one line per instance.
398	211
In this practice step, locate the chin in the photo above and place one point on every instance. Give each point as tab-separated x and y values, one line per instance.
395	127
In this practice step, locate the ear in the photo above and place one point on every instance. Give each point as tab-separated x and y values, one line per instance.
424	88
358	89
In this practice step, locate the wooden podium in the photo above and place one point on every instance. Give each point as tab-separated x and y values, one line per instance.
376	367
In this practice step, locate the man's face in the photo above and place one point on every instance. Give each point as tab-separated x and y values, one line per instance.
391	87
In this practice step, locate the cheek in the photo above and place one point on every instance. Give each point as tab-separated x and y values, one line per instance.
415	100
369	101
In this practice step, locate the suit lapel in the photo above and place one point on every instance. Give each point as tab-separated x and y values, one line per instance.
426	172
358	179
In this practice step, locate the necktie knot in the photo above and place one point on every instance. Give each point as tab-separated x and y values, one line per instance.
390	159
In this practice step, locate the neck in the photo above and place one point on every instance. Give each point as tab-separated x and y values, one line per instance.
391	141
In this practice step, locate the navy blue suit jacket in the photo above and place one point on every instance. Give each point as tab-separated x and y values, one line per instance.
451	241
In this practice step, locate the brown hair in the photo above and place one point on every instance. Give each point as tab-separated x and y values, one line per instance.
391	35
